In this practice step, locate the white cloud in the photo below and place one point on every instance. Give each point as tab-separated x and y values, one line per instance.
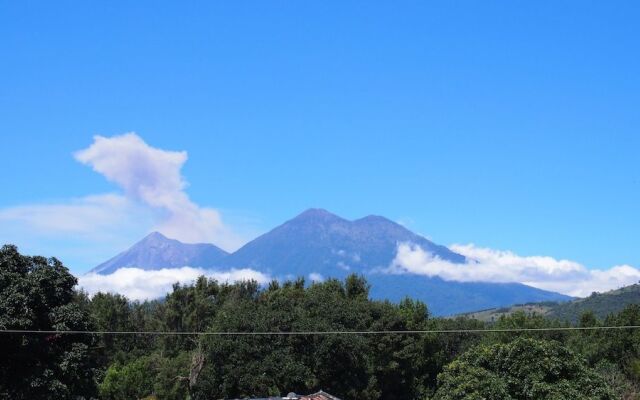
153	177
153	198
85	215
316	277
81	232
488	265
138	284
343	266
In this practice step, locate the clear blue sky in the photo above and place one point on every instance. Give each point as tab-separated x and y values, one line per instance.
512	125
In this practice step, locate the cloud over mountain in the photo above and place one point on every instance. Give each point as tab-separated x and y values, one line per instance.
151	197
153	177
488	265
139	284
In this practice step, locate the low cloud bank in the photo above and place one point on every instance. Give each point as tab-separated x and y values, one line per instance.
138	284
489	265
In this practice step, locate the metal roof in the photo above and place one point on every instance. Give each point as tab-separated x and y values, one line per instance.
321	395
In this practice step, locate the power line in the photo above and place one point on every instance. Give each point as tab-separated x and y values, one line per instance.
318	333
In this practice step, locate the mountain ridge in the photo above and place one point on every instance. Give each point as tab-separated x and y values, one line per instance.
317	242
156	250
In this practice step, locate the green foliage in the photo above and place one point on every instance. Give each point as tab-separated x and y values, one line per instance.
37	294
522	369
621	346
621	385
111	313
600	304
129	381
147	376
532	322
354	365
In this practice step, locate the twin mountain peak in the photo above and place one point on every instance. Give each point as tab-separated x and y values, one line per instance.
320	242
314	241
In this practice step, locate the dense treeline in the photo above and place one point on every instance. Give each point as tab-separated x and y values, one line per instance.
38	294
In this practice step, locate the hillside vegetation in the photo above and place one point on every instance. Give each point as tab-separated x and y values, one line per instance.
600	304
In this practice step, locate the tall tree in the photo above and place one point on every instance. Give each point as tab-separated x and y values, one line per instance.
522	369
37	293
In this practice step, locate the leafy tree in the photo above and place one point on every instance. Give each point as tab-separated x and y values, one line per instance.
401	364
522	320
523	369
151	376
623	344
356	366
111	313
37	293
129	381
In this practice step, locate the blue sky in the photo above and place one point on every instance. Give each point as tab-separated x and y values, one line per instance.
510	125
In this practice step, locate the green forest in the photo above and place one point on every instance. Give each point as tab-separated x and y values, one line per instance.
39	294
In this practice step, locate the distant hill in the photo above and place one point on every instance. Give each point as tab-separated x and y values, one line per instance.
493	314
318	242
601	304
156	251
452	297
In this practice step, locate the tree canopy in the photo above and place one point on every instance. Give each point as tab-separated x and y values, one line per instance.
38	294
522	369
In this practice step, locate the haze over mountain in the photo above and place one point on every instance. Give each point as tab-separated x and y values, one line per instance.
157	251
318	244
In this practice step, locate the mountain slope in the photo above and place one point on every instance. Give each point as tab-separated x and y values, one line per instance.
601	304
452	297
157	251
321	242
317	244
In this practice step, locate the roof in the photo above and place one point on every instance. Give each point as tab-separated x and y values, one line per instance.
321	395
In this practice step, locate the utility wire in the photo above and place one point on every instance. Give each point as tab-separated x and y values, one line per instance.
318	333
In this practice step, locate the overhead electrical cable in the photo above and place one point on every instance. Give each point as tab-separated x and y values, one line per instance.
320	333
